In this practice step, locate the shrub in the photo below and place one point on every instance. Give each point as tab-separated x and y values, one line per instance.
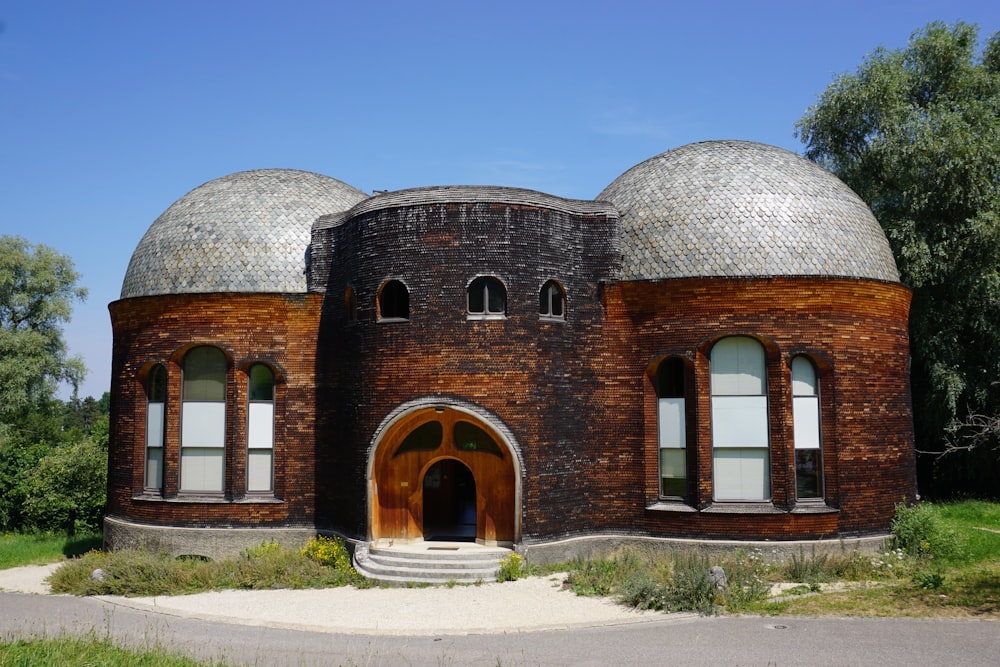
747	577
808	570
511	568
918	531
331	552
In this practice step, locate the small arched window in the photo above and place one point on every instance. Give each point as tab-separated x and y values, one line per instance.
806	431
350	304
260	429
203	420
393	302
672	427
487	298
156	399
552	301
740	454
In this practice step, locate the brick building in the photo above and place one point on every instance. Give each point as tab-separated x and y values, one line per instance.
714	348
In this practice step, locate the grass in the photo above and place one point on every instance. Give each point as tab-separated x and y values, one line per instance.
324	563
17	549
85	652
944	561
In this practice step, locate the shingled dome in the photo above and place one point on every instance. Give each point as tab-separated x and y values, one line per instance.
246	232
741	209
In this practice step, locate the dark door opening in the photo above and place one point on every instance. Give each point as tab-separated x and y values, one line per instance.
449	502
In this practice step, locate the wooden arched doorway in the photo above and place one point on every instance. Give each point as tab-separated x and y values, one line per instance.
441	473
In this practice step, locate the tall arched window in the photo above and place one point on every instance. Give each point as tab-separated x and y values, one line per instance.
672	427
156	398
487	298
260	429
393	301
806	432
740	457
552	301
203	420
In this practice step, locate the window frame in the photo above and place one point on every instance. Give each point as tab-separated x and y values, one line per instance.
550	288
400	311
259	441
740	410
671	404
807	437
155	386
201	410
351	310
484	283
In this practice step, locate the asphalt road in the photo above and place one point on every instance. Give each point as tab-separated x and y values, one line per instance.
672	640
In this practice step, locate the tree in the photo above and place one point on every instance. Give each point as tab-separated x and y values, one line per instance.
916	133
66	490
37	291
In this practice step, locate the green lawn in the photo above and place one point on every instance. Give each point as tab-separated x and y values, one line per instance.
18	549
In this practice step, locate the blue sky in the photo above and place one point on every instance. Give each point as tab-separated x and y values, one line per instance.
110	111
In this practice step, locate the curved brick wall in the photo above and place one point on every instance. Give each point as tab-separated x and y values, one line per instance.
575	397
278	329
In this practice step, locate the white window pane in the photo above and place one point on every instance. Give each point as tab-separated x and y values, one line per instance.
154	424
260	430
154	468
259	470
739	421
203	424
803	377
671	422
741	474
805	414
737	367
673	463
202	469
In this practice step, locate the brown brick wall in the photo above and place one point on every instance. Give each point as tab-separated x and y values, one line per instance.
576	396
279	330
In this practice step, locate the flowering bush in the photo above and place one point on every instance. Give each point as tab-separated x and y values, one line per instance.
329	551
511	568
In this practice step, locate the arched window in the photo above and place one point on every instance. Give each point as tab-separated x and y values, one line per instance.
806	432
671	427
350	305
203	420
393	302
552	301
260	429
156	399
740	456
487	298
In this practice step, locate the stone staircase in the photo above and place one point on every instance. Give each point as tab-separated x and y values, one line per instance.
429	562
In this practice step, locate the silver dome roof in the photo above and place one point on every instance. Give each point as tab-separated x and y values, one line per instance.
743	209
246	232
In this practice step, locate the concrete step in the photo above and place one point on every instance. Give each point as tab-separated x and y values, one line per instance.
429	562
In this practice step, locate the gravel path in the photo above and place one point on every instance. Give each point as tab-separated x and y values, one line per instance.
531	604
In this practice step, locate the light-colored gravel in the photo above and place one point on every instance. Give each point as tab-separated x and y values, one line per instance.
535	603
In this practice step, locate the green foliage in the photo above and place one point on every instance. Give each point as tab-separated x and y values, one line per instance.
66	489
928	580
37	291
85	652
808	569
916	133
678	583
511	568
919	531
17	549
140	573
331	552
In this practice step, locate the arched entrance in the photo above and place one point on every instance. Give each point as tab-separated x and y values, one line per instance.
442	473
449	502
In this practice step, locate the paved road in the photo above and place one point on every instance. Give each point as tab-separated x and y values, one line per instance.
685	641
